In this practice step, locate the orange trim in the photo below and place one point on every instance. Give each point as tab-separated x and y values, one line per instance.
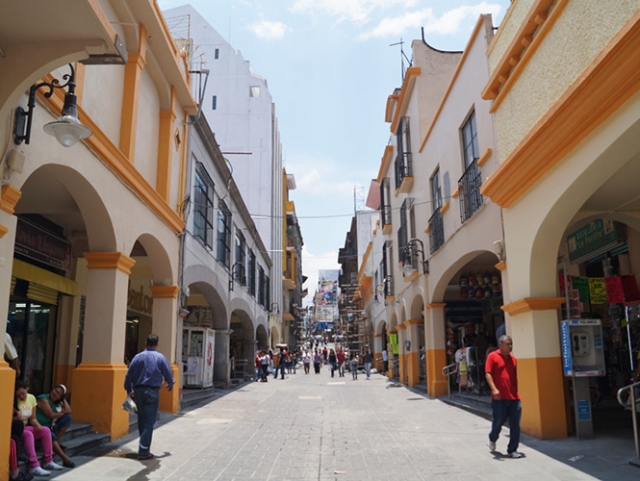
365	258
401	326
501	266
115	160
405	186
585	105
540	20
63	374
483	159
392	100
445	207
436	382
427	229
463	58
183	168
9	199
164	292
109	260
384	163
7	378
165	141
386	229
410	76
410	277
527	304
541	388
170	400
456	193
131	96
3	230
80	73
437	305
413	322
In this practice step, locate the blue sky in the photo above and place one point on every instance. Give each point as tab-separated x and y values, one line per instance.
330	68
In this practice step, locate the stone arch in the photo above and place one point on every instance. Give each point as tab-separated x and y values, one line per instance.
262	339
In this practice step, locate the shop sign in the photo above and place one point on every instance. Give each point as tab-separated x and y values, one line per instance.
565	340
42	246
139	299
584	410
595	236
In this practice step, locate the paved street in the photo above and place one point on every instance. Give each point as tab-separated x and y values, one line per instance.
313	427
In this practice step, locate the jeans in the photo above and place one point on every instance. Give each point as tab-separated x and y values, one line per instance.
367	368
333	368
341	369
503	410
147	399
280	368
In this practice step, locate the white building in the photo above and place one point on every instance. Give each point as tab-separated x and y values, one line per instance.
238	107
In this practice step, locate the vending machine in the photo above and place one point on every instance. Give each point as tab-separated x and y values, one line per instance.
198	353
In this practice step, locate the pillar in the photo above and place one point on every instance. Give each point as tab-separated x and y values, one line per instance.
8	222
221	367
164	324
377	352
413	355
533	323
99	380
437	384
402	356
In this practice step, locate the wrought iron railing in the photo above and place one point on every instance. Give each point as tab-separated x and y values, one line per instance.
436	231
386	215
469	187
388	286
403	167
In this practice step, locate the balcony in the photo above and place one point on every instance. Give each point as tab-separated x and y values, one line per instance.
469	187
388	288
404	172
436	231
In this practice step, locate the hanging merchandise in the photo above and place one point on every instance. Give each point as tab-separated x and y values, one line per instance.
488	292
486	279
463	281
582	285
597	290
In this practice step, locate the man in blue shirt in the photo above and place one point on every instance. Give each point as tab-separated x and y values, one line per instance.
142	382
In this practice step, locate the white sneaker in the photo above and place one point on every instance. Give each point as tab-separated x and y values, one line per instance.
39	471
516	455
53	466
492	446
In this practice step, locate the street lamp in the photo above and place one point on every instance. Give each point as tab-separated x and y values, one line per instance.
409	264
67	129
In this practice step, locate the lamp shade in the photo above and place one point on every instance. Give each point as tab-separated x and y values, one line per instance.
68	130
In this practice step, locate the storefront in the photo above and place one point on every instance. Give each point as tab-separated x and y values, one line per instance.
42	259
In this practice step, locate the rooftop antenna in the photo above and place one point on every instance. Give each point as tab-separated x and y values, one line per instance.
403	57
358	198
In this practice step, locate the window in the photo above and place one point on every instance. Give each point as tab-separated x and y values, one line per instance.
386	268
261	289
214	102
251	273
385	202
203	207
403	165
239	268
471	181
436	223
216	54
224	235
254	91
403	231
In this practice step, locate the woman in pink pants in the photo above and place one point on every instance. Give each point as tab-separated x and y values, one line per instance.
25	409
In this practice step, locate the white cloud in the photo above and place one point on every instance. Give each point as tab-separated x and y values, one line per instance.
448	23
268	30
356	11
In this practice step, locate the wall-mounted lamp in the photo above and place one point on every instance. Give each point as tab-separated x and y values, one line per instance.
410	262
67	129
498	248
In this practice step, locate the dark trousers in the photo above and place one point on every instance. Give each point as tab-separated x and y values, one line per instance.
279	367
147	400
504	410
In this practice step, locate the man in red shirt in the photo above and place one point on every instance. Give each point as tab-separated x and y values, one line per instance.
501	374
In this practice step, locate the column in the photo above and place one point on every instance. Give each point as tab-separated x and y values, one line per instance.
165	306
402	356
99	380
533	325
437	384
221	367
413	355
377	352
7	375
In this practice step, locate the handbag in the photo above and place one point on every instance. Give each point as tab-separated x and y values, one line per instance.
129	405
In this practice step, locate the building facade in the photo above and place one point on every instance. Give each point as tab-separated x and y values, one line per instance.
90	233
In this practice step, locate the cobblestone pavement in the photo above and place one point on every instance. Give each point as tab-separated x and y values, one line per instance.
314	427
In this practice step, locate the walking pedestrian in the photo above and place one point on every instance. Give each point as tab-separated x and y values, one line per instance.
368	359
143	382
333	361
340	358
501	375
306	361
281	363
355	360
265	359
385	361
317	360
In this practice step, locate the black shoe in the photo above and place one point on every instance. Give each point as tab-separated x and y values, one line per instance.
70	464
145	456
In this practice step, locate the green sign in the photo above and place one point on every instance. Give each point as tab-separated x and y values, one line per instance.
393	339
592	237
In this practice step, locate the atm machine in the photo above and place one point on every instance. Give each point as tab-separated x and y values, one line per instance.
198	344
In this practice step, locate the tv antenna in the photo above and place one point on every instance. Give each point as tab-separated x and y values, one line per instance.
403	57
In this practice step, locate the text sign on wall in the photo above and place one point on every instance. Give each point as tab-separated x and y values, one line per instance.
595	235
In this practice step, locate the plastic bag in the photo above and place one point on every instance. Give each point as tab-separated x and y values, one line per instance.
129	405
